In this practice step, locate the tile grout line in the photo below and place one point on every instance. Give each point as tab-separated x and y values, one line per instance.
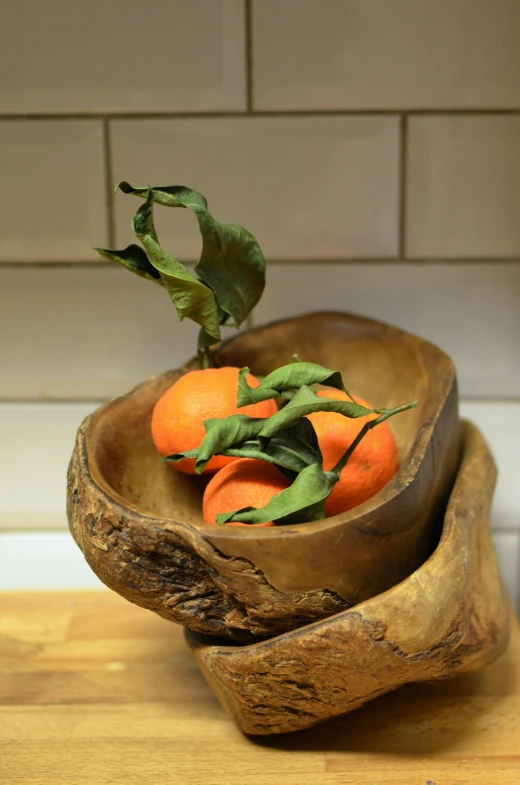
248	20
403	164
108	182
151	115
345	262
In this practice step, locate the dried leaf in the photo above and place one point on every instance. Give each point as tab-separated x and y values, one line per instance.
306	402
303	501
135	260
191	297
288	377
231	261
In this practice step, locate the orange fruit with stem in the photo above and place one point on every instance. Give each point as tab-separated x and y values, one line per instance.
372	464
179	414
244	483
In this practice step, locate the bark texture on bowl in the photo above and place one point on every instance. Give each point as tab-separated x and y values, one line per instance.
448	617
169	568
139	524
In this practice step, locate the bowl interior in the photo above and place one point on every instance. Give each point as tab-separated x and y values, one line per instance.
383	365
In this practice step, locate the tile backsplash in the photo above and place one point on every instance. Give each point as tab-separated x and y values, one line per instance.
53	189
463	186
386	54
272	174
121	56
372	146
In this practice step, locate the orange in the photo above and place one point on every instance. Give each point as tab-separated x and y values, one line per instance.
179	414
243	483
372	464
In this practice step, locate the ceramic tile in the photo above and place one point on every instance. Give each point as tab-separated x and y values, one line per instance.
507	546
443	303
499	423
53	190
85	333
36	442
43	561
116	57
375	54
463	186
306	187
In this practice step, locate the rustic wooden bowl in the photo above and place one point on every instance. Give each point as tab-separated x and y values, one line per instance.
448	617
139	524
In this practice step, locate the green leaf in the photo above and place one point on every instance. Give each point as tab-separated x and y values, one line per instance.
299	441
288	377
283	462
221	435
134	259
167	195
179	456
190	296
233	264
291	450
306	402
231	261
303	501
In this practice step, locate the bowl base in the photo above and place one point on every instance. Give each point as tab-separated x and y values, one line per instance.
449	617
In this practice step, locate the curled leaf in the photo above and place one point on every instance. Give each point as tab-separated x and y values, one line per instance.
306	402
167	195
283	460
220	436
291	450
231	262
135	260
303	501
191	297
297	445
288	377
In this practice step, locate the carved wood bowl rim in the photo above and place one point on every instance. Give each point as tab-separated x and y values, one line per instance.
399	483
251	581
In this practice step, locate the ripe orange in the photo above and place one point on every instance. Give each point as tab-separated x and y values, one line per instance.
372	464
243	483
179	414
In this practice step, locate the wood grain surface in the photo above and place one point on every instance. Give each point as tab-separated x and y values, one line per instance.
96	691
138	521
450	616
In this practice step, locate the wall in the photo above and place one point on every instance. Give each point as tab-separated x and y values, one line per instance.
373	147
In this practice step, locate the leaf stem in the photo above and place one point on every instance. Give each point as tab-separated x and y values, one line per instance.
385	414
203	343
205	359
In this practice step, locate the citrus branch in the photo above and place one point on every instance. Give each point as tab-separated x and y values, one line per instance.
338	468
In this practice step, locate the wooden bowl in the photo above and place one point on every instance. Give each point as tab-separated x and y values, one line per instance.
139	524
448	617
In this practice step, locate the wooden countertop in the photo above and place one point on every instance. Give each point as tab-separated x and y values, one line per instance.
95	691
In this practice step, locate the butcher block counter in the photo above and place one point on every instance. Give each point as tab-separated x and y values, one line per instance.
95	691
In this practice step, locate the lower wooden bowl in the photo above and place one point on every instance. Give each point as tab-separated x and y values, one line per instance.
450	616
